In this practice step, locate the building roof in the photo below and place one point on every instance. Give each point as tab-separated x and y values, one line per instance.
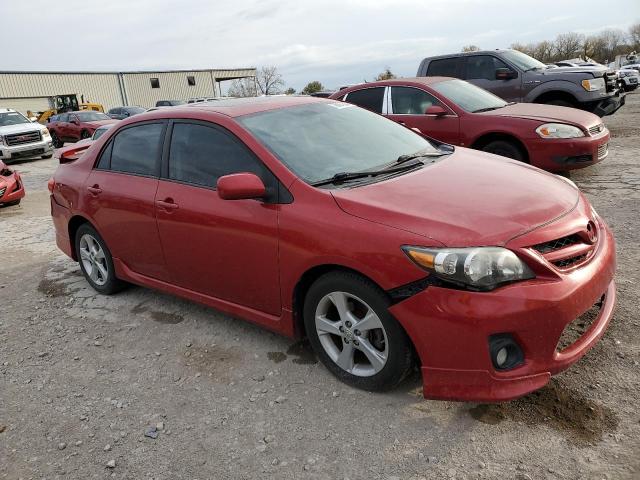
229	73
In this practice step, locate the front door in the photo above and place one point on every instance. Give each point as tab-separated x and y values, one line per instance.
408	106
481	71
227	249
120	194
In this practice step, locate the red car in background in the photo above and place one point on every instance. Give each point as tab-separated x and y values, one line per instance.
74	126
11	187
456	112
384	249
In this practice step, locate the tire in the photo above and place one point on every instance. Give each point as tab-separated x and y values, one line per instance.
336	339
504	148
93	254
48	156
57	143
559	103
11	204
84	134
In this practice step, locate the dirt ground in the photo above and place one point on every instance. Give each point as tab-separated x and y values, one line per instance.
84	377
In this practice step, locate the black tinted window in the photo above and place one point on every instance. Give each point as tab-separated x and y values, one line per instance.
483	67
369	98
114	111
137	149
445	67
105	157
411	101
64	118
200	155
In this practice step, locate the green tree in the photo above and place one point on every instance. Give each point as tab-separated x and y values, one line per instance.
386	75
290	91
471	48
313	87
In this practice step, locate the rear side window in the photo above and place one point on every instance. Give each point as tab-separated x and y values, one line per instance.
63	118
369	98
201	154
483	67
444	67
136	150
411	101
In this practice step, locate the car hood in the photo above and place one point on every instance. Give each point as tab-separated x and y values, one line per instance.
21	128
595	71
470	198
547	113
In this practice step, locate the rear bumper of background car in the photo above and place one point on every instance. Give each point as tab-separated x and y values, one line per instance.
451	330
11	189
568	154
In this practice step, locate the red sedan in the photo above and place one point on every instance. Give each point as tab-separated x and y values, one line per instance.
453	111
74	126
11	187
318	218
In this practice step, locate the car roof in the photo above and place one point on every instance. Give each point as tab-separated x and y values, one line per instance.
397	81
236	107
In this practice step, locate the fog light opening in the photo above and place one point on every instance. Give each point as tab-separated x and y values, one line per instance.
505	352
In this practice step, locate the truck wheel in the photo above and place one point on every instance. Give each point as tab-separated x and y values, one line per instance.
56	141
504	148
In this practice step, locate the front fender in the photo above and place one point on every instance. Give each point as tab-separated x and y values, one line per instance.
564	86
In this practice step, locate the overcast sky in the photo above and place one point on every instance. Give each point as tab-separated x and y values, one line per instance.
335	41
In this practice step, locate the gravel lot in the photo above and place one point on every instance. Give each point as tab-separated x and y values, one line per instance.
84	377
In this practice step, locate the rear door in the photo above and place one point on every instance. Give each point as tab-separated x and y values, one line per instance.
227	249
120	194
408	106
371	98
481	71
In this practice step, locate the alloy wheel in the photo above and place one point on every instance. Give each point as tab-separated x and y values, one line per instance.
352	334
93	260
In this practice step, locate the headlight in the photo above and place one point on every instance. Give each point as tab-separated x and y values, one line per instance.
593	84
623	73
559	130
45	133
479	268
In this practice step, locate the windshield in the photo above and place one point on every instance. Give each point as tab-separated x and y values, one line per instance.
12	118
99	131
176	102
468	96
135	110
522	60
318	140
92	116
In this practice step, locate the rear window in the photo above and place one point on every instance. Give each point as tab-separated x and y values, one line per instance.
444	67
369	98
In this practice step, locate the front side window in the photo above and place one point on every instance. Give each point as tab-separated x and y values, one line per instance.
444	67
468	96
411	101
483	67
64	118
12	118
369	98
331	138
90	116
523	61
201	154
137	149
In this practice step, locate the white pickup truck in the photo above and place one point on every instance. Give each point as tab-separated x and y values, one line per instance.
20	138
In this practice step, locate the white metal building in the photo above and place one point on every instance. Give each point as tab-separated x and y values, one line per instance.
33	91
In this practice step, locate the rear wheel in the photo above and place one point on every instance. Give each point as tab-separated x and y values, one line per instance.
95	261
354	335
85	134
49	155
504	148
56	141
11	204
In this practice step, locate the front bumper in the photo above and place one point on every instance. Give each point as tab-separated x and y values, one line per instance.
27	151
450	329
609	106
568	154
11	189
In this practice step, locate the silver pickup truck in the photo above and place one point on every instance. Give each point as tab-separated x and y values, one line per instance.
20	138
517	77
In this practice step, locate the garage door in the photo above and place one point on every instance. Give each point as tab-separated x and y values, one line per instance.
35	104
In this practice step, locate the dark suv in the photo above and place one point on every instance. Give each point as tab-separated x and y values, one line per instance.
120	113
517	77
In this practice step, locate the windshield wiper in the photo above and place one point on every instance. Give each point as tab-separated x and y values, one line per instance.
346	176
487	109
419	154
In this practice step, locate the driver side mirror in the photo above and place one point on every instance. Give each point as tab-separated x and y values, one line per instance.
240	186
505	74
436	110
75	121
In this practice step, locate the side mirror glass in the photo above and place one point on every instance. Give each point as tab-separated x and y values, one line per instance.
240	186
505	74
437	110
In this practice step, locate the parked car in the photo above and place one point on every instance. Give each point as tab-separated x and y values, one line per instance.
21	138
374	242
169	103
629	78
202	99
11	186
457	112
517	77
73	152
74	126
120	113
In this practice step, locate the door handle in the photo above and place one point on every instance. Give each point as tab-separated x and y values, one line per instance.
95	189
167	204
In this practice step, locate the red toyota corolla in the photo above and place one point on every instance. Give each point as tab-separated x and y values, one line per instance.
318	218
456	112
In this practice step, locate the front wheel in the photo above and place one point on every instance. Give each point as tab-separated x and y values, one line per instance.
354	335
95	261
57	143
505	149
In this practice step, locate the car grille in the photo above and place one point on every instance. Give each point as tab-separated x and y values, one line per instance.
557	244
610	81
577	328
596	129
603	151
571	250
22	138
